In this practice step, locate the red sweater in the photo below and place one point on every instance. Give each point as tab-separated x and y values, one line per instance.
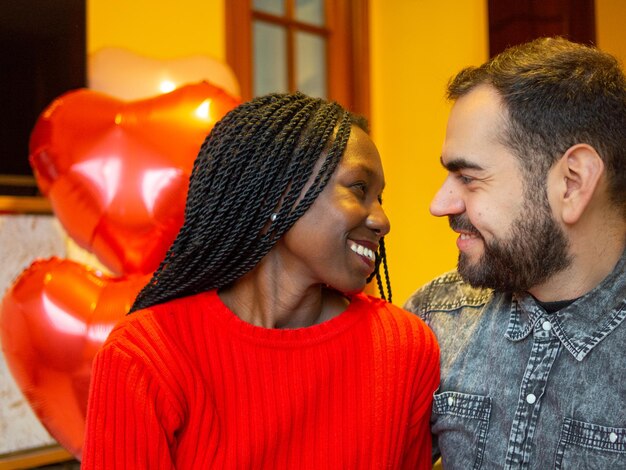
189	385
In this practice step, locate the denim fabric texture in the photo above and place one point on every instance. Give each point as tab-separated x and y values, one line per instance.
524	389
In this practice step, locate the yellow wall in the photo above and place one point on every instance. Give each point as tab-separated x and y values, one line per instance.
416	46
610	33
157	29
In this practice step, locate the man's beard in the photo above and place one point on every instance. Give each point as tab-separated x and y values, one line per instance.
535	249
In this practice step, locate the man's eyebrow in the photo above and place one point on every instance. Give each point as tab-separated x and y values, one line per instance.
458	164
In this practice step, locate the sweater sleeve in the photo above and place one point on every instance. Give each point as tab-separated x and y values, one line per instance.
130	420
419	441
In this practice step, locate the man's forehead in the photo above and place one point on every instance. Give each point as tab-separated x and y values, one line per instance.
482	106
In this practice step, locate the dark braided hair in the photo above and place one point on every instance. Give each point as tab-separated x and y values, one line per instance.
257	158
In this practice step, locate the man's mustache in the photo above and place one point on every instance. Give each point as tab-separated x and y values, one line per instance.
462	224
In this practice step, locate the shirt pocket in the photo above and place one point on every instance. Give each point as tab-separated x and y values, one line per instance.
586	445
461	423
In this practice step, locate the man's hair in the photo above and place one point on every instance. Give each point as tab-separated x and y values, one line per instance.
256	161
557	94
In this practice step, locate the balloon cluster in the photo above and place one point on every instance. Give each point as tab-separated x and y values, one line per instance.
116	174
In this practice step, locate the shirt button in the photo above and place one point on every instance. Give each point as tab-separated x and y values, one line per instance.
612	437
530	398
450	401
546	325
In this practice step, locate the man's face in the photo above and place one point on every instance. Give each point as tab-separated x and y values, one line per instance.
508	237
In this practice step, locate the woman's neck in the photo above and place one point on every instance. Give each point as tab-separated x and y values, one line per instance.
280	304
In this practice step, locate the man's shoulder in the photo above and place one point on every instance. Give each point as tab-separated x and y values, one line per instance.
447	292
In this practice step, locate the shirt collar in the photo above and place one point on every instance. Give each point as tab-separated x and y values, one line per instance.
581	325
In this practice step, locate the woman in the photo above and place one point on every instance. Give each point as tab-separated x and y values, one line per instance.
252	346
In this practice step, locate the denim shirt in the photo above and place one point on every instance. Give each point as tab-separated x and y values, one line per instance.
524	389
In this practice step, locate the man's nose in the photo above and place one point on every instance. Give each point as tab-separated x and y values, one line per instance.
447	200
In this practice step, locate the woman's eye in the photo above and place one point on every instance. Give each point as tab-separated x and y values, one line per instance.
360	187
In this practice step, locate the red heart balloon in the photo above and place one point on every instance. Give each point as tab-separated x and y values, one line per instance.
53	319
116	173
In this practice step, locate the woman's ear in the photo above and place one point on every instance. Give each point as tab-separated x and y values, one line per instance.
580	169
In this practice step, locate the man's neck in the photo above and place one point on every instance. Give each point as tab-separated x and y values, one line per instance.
590	266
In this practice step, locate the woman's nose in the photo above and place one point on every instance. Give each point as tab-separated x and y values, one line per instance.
378	220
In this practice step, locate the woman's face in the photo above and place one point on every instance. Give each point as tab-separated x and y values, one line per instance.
334	242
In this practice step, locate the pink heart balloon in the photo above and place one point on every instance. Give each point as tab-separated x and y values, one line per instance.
53	319
116	173
129	76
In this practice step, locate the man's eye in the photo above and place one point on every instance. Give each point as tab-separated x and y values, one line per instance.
465	179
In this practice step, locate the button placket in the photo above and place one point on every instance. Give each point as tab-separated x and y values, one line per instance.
544	351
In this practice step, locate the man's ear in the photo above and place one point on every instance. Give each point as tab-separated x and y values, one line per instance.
580	169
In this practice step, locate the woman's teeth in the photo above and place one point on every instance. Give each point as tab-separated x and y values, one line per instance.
363	251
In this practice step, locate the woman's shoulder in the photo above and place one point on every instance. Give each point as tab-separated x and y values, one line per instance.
161	321
401	331
388	310
391	316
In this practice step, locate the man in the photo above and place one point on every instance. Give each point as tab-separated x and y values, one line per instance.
531	325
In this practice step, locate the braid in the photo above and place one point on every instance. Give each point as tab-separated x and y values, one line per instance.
259	157
381	258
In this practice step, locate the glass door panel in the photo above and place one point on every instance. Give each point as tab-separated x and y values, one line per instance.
270	58
311	64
